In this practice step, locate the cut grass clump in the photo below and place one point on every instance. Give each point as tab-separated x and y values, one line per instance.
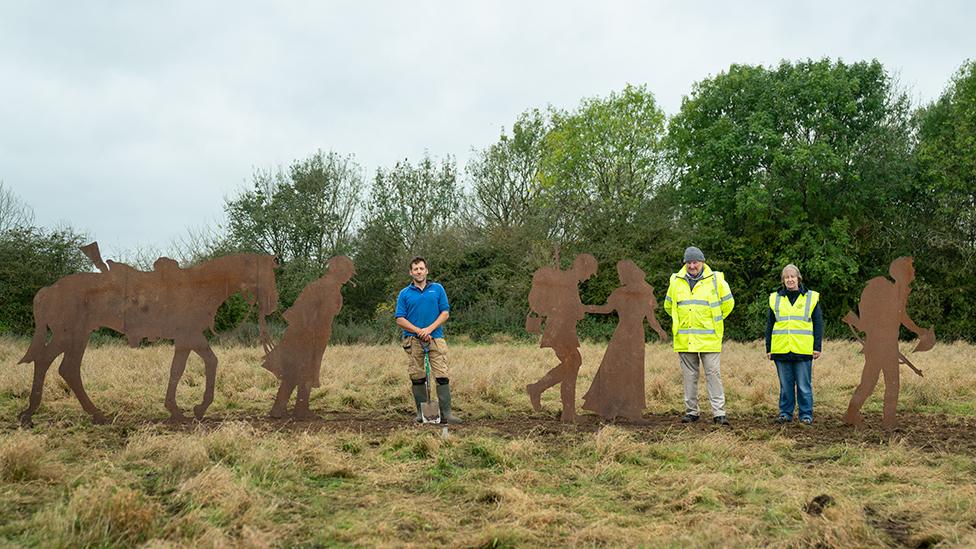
316	457
23	458
479	453
614	444
178	457
218	492
414	444
230	443
105	513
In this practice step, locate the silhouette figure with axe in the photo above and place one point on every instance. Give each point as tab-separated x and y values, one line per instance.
883	310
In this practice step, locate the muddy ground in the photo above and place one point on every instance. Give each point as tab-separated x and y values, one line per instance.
936	433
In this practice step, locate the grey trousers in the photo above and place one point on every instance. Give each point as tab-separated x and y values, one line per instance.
713	381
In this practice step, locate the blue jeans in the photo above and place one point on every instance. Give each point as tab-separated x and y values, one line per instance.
795	388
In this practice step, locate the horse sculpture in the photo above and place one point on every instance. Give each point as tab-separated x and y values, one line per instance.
165	303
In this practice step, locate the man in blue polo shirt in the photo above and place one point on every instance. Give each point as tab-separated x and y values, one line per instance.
421	311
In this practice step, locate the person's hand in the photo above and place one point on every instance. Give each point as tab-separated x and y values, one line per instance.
816	355
769	356
423	334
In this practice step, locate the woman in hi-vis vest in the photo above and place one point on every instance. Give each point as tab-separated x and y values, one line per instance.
794	335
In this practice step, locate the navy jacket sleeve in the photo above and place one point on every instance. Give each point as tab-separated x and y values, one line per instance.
770	320
818	328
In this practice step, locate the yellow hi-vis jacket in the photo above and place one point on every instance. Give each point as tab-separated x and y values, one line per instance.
698	316
793	330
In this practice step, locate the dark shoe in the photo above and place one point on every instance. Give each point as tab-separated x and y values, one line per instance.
721	420
419	397
444	399
689	418
783	419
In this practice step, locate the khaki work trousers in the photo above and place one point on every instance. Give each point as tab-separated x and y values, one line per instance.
713	381
415	357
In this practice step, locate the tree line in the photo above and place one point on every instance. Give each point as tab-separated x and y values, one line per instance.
821	163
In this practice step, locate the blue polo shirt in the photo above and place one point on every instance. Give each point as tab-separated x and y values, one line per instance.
422	307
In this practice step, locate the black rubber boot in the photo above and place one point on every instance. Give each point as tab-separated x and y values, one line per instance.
419	397
444	400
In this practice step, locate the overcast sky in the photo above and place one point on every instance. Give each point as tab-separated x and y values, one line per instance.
132	121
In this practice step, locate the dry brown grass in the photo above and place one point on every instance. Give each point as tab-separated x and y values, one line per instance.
105	513
23	457
242	481
488	380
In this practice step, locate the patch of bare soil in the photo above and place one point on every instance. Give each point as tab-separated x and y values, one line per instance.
899	529
936	433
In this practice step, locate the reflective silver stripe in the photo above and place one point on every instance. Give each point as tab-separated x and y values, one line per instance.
719	318
793	332
668	298
695	331
806	310
776	309
693	302
726	298
793	318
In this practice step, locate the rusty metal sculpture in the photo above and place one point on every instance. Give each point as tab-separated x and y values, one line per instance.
882	311
618	386
165	303
555	298
297	359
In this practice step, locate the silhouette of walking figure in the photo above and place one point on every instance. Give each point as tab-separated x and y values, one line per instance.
618	386
555	296
297	359
882	311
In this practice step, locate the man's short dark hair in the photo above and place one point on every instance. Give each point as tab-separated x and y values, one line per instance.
418	259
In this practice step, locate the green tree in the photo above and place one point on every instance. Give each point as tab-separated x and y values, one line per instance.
306	213
505	175
413	203
603	160
410	207
30	259
945	228
601	173
806	163
304	217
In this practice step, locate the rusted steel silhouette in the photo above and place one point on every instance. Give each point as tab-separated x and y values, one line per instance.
165	303
883	309
297	359
554	296
618	386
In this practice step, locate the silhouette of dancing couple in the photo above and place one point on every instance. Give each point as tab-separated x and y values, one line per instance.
618	386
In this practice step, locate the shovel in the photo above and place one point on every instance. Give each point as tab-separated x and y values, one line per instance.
430	410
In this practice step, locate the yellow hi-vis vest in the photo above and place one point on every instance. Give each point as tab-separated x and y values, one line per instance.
698	316
793	330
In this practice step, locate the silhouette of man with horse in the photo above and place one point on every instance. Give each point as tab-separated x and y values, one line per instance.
166	303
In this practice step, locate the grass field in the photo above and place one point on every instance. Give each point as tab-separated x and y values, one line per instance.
365	475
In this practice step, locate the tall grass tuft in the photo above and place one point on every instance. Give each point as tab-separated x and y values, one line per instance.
105	513
24	458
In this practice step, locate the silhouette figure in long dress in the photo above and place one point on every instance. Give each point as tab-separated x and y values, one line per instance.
297	359
618	386
882	311
555	297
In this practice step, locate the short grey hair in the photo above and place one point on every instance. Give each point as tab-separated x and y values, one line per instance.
794	268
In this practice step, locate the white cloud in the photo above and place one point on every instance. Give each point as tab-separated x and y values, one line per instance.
133	120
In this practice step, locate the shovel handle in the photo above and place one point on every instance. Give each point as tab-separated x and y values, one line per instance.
426	347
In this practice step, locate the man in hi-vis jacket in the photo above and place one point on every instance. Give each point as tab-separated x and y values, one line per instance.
698	301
